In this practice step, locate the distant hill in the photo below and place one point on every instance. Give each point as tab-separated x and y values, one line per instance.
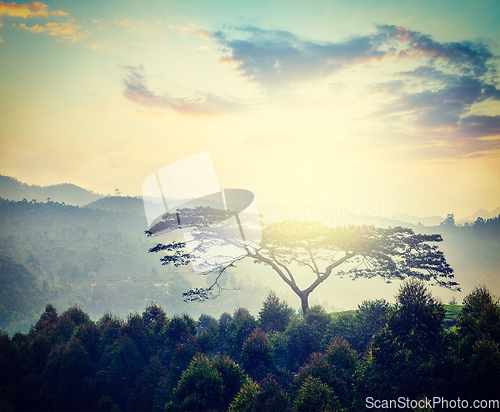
482	213
415	220
13	189
401	219
119	204
128	204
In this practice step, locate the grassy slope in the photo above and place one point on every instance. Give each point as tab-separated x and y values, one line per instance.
451	312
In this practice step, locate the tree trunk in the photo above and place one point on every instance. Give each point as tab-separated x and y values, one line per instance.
304	301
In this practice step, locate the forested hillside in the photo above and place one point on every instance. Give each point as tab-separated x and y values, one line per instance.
13	189
95	258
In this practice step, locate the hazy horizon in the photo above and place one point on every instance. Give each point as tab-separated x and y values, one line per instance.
301	209
386	103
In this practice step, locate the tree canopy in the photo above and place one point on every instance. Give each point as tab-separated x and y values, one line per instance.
155	362
355	251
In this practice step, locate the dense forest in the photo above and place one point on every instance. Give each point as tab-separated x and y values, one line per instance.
275	362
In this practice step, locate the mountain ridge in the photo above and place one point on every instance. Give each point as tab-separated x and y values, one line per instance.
69	193
482	213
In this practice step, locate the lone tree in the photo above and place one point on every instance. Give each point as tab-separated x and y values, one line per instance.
356	251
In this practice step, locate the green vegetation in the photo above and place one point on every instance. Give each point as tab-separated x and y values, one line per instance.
95	257
152	362
450	318
451	314
102	344
335	315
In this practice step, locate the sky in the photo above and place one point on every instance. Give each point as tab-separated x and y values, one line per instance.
387	102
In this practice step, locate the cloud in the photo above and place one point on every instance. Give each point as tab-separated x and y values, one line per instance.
433	106
441	113
58	13
67	31
443	106
274	57
203	34
100	23
443	125
470	57
452	150
434	102
123	22
390	87
201	104
438	97
480	126
31	9
277	57
1	40
453	146
33	29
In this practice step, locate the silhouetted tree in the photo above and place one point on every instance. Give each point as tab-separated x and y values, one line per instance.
395	253
449	221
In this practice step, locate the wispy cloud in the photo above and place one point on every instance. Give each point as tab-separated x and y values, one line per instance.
441	111
198	104
100	23
67	31
123	22
31	9
443	105
446	147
